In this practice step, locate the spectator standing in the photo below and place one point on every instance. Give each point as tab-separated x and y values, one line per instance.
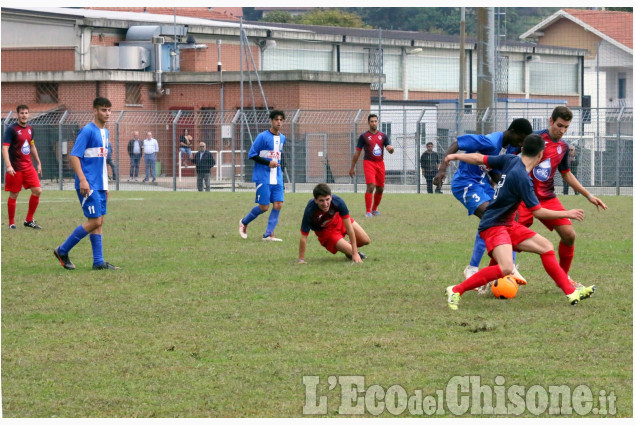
150	150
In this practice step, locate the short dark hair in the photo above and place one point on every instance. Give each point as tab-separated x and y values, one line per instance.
322	189
275	113
372	116
101	101
429	143
561	112
533	145
21	107
521	126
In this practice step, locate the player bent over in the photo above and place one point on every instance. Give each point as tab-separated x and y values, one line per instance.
88	159
327	215
502	235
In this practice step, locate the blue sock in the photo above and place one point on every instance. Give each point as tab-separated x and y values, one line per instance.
78	234
98	250
273	220
251	216
478	251
514	257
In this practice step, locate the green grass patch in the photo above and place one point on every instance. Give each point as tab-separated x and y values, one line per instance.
200	323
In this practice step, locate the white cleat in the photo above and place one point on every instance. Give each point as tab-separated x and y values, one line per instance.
519	277
242	229
485	289
270	238
470	271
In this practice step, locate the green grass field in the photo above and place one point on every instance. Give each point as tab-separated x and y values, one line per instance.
200	323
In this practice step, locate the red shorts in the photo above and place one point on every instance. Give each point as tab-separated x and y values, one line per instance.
375	173
501	235
26	178
526	218
331	235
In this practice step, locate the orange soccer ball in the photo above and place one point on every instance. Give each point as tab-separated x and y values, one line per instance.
505	288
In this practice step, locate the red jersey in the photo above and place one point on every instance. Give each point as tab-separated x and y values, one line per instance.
19	139
556	156
373	145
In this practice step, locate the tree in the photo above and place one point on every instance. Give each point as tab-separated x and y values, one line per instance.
279	16
331	17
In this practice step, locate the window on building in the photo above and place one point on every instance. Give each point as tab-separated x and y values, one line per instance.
386	128
621	85
47	93
133	94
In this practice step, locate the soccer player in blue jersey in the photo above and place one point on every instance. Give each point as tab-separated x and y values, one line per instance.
503	235
471	183
327	215
266	152
88	158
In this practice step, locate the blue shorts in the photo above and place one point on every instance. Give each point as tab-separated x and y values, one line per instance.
473	195
269	193
93	205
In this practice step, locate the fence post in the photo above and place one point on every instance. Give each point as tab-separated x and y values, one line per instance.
60	156
617	152
117	150
233	148
293	139
174	151
418	150
359	112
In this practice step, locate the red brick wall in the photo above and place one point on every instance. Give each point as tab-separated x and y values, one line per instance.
42	59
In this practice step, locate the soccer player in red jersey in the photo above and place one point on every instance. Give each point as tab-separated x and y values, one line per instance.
327	215
17	148
373	142
556	157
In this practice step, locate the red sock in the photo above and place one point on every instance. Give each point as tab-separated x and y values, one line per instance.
11	207
554	270
33	202
369	199
377	200
480	278
565	252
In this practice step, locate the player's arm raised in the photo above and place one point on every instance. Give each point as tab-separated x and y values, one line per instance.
577	186
440	176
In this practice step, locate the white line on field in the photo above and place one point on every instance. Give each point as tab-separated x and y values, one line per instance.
60	201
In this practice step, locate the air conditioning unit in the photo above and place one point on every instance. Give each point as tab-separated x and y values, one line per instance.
158	40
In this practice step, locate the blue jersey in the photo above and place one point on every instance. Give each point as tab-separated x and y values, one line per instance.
315	219
268	146
90	148
514	186
467	174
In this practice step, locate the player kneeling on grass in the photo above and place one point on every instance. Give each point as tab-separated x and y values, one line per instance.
327	215
502	235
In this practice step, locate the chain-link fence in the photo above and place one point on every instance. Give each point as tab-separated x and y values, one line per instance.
321	143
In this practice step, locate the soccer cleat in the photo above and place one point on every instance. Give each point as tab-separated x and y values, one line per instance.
64	260
575	284
362	255
375	212
587	292
105	266
485	289
469	271
12	227
270	238
32	224
519	278
369	214
453	298
242	229
574	297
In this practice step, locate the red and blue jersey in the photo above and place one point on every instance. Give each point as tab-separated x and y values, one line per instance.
90	148
19	139
315	219
514	186
373	145
555	156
